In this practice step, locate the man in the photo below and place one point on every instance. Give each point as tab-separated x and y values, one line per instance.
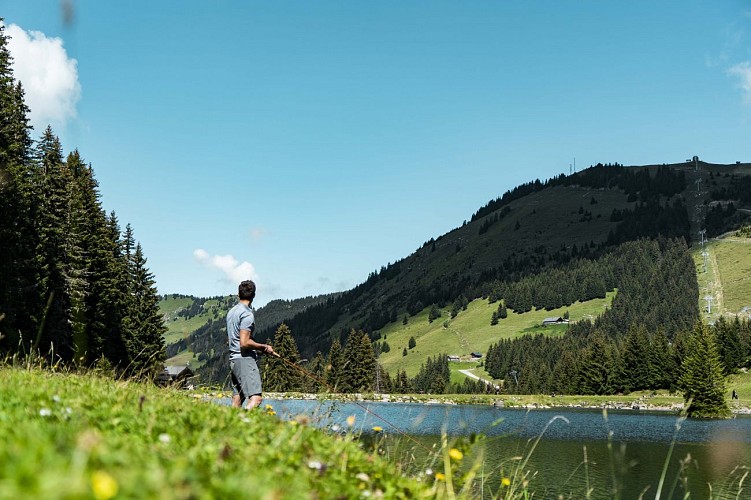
243	350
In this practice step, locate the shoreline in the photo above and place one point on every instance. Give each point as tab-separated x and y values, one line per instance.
661	403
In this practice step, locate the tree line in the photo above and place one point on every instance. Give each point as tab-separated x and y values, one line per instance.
75	287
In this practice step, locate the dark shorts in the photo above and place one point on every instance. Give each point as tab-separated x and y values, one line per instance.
246	378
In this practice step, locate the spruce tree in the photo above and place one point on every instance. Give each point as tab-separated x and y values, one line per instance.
55	338
360	363
317	367
278	374
145	344
335	366
18	237
702	379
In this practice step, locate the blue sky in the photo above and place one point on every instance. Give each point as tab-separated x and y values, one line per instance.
306	144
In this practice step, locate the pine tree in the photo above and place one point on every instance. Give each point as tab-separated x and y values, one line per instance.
18	237
55	336
317	367
335	366
702	379
278	374
360	363
145	344
412	343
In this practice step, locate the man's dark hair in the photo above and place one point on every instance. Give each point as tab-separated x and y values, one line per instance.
246	290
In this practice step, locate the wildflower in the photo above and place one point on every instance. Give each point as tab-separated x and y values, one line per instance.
456	454
440	476
103	485
506	481
335	427
351	420
378	428
56	398
429	471
45	412
164	438
315	464
269	408
363	477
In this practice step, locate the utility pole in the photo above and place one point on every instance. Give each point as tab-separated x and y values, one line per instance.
704	254
701	234
708	298
698	187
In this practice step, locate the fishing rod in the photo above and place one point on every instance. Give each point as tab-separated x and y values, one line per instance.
365	408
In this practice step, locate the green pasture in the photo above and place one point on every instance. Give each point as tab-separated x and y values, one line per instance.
179	328
79	436
727	278
470	331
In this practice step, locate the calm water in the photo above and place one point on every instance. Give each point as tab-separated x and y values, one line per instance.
625	451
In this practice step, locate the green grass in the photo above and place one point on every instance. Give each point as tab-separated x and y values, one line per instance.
470	331
727	278
81	436
179	328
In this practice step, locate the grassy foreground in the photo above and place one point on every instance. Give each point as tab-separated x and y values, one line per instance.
83	436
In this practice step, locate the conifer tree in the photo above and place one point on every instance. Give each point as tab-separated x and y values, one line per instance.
145	343
278	375
317	367
360	363
335	366
702	379
18	237
55	335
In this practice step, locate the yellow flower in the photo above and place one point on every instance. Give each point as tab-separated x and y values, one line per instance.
456	454
103	485
506	481
440	476
378	428
351	420
269	407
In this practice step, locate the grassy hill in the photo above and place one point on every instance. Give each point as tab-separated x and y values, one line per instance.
470	331
529	230
82	436
726	277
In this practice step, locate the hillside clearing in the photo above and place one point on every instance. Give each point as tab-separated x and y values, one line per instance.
471	331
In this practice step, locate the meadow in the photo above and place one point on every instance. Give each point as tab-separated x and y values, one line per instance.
470	331
726	278
69	435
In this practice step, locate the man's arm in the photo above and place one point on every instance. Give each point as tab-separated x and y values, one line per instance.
247	342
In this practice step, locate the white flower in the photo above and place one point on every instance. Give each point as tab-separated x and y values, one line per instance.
335	427
363	477
45	412
315	464
56	398
164	438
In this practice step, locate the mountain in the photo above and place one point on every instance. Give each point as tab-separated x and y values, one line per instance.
569	231
532	228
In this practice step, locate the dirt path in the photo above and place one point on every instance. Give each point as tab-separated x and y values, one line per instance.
472	375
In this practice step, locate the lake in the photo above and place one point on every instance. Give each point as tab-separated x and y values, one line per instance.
625	450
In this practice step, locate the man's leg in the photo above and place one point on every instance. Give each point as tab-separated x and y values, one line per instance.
236	401
254	401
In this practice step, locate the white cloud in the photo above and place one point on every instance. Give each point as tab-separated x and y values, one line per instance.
742	71
234	270
49	77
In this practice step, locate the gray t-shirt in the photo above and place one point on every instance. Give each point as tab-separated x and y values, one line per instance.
240	317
